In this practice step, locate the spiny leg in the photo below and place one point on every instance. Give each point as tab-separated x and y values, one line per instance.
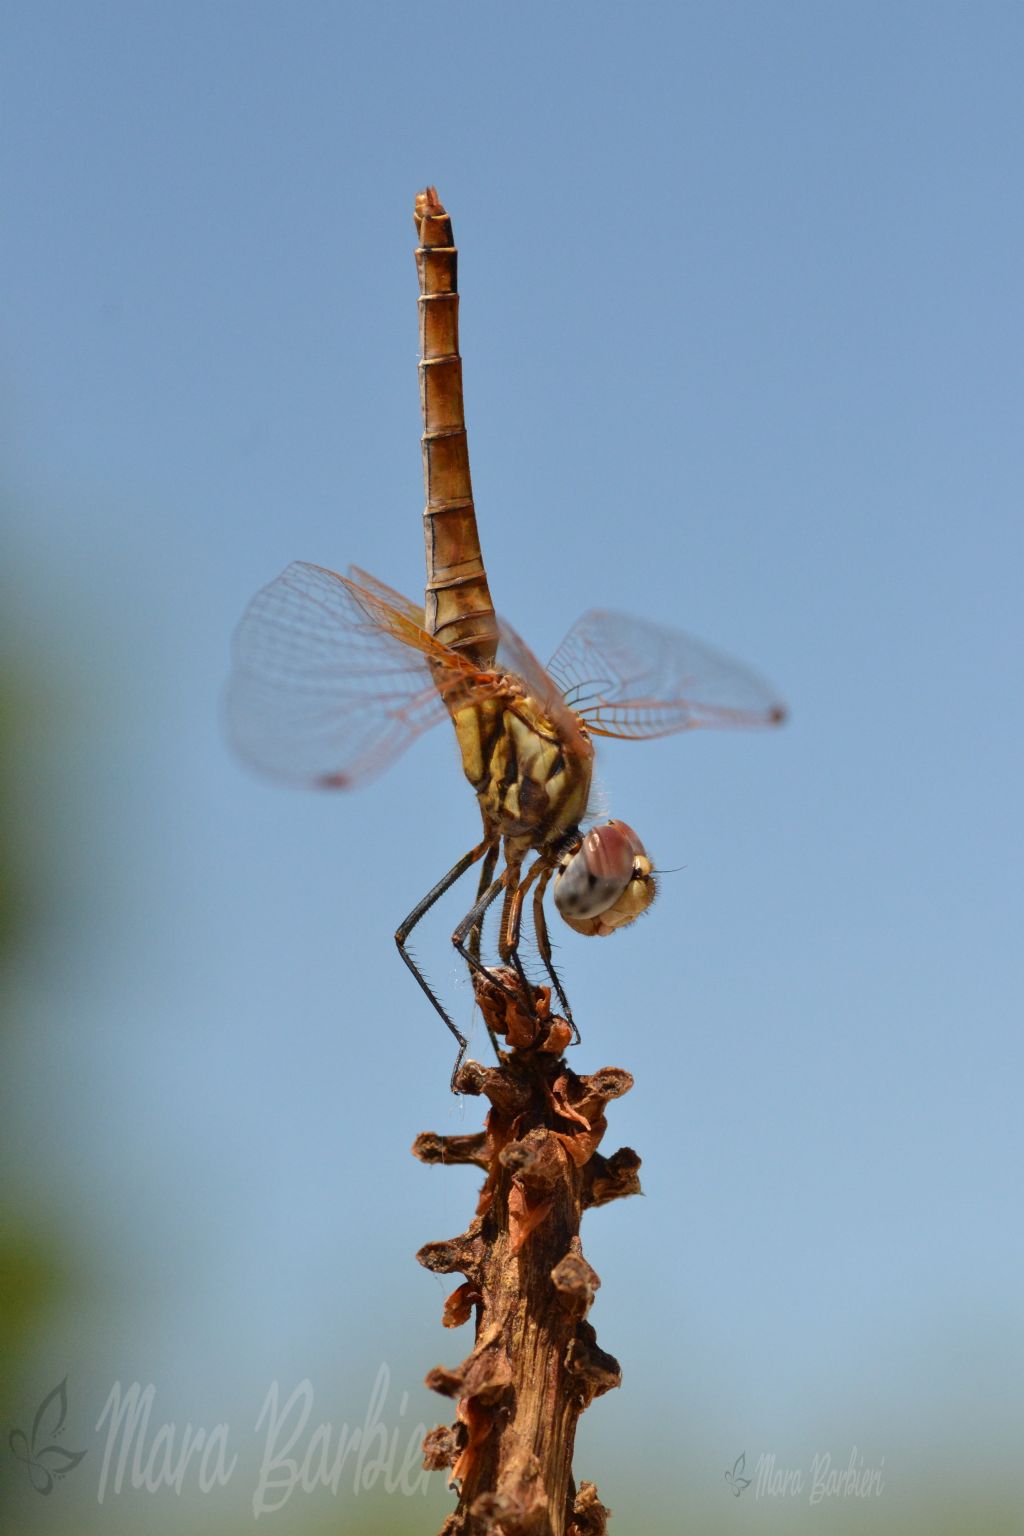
510	927
540	926
486	876
474	916
472	924
417	912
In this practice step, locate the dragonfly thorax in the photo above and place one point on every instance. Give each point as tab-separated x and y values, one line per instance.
532	783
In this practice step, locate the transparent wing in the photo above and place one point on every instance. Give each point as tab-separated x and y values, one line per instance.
631	678
332	679
393	599
514	655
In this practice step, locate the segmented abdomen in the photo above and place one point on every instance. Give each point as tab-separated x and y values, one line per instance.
458	602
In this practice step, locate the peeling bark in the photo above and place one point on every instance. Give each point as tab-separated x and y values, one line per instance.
536	1364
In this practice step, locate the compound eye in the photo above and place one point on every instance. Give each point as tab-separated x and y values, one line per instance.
592	879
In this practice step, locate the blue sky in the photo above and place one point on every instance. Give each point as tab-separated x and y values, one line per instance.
741	322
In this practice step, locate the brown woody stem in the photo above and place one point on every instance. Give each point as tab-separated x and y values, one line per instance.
535	1364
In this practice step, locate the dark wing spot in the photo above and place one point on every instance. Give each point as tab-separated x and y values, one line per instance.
334	781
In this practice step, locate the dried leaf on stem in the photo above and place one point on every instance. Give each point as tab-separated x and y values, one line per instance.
535	1365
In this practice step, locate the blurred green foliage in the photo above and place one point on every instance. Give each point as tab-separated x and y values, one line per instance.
35	1271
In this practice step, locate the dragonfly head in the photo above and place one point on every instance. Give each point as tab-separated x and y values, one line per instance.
604	881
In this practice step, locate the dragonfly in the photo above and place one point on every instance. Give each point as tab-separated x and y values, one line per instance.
334	676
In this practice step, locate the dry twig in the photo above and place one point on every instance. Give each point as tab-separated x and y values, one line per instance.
536	1363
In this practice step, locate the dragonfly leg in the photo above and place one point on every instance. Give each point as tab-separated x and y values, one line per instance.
511	925
544	946
472	918
476	934
509	882
418	911
486	876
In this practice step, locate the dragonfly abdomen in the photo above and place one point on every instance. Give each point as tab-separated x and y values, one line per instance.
458	606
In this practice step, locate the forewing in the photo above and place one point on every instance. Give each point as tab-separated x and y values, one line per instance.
374	588
631	678
332	681
515	656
